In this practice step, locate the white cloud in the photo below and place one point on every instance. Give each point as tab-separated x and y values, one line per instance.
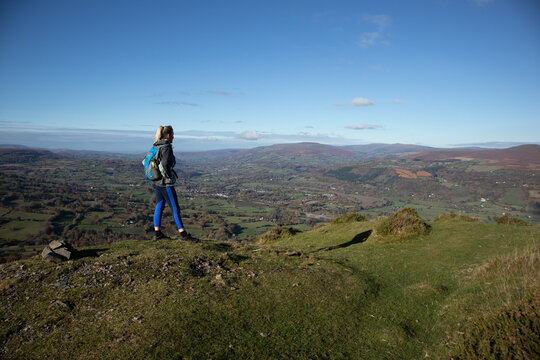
363	127
399	102
356	102
250	135
382	21
361	102
368	39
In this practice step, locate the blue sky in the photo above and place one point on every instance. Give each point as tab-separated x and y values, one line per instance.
102	75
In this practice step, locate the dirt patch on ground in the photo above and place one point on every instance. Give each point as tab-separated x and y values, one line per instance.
407	174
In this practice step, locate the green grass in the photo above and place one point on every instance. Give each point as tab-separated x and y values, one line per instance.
334	292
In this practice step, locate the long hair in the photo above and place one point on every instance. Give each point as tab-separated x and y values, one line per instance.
162	131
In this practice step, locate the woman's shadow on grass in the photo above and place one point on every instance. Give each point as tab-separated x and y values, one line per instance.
357	239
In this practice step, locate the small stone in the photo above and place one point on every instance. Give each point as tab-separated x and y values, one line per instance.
62	304
263	334
218	280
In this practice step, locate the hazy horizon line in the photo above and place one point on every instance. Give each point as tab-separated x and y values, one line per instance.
483	146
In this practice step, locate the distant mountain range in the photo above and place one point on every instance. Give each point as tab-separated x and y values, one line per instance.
317	154
523	155
307	150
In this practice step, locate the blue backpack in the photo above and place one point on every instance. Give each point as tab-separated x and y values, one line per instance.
151	165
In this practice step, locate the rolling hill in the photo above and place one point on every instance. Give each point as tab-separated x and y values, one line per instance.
339	291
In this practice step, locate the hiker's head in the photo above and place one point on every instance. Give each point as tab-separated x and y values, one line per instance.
164	132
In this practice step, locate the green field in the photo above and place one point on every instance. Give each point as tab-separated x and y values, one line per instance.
339	291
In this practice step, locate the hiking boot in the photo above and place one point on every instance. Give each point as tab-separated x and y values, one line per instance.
159	235
184	235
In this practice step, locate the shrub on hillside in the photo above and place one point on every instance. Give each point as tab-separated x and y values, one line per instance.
507	220
511	333
276	233
453	216
404	223
349	218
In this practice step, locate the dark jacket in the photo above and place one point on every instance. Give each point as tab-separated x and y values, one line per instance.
167	161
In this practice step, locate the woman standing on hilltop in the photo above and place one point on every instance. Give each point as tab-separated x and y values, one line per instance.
164	187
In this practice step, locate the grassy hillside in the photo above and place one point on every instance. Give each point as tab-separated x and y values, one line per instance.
343	290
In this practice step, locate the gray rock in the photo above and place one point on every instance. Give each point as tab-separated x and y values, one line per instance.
58	250
49	256
55	244
64	252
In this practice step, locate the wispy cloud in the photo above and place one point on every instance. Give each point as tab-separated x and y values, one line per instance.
481	2
250	135
377	35
9	122
222	93
382	21
176	103
494	144
399	102
368	39
363	127
138	141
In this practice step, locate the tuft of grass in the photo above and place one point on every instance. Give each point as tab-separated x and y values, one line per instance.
511	331
458	217
506	318
403	224
507	220
277	233
349	218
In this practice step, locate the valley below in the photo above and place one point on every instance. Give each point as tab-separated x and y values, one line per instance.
92	199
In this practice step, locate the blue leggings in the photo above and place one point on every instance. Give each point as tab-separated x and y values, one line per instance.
167	194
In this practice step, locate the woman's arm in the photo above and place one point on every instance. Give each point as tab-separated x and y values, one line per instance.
167	160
